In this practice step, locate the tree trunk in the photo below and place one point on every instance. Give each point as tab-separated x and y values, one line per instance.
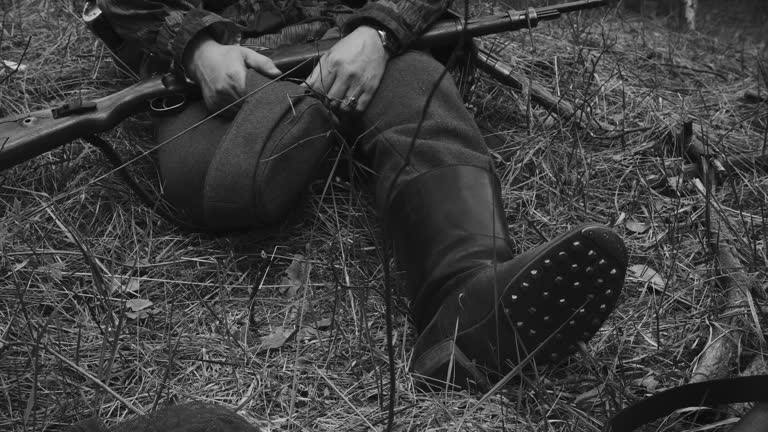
681	12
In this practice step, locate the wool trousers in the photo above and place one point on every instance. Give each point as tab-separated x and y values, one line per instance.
250	170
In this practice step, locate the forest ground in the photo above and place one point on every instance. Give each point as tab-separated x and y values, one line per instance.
108	310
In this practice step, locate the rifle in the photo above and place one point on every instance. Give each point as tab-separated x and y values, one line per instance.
27	135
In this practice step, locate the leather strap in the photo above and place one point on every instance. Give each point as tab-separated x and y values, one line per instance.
715	392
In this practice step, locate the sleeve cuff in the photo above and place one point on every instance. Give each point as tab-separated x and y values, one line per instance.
384	16
179	29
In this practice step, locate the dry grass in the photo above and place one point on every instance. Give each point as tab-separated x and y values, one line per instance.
78	250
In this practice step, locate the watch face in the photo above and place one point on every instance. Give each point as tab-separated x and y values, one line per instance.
387	41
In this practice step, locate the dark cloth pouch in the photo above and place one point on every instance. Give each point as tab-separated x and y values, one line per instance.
189	417
250	171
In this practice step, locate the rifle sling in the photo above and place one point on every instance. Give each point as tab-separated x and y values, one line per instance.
708	393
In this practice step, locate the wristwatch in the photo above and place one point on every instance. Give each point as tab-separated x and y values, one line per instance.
388	41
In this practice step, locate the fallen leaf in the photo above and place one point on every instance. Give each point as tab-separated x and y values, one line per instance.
114	284
12	65
676	183
132	285
587	396
136	315
649	275
54	270
276	339
295	276
308	333
638	227
322	324
144	313
649	382
240	334
21	265
621	219
137	305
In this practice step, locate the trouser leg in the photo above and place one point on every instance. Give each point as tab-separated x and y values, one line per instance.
403	142
447	133
479	308
246	171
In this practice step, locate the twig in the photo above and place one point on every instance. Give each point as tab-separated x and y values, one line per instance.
18	65
343	397
717	357
500	71
95	380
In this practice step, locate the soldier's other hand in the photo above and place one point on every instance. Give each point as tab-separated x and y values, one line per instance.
220	70
350	72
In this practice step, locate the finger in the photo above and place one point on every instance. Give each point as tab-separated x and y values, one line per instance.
363	100
354	95
237	85
260	63
225	95
323	77
311	81
338	92
368	93
221	101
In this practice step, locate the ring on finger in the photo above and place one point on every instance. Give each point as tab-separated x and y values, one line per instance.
352	100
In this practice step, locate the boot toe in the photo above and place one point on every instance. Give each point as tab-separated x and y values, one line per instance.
551	298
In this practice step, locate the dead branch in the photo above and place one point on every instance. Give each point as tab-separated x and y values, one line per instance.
742	162
499	70
718	356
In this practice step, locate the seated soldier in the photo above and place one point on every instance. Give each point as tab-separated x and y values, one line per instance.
477	305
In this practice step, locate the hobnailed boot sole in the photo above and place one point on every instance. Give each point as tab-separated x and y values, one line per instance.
560	292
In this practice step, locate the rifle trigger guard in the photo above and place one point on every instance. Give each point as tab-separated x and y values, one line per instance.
168	104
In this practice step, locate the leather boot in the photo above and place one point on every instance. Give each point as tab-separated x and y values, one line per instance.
480	308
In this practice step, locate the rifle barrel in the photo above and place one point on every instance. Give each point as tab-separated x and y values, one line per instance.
442	33
446	32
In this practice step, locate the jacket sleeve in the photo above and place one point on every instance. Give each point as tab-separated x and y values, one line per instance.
165	27
406	19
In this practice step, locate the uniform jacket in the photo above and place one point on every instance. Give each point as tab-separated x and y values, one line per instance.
165	27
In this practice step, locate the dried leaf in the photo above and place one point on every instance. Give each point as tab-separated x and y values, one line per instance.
137	305
676	183
322	324
132	285
620	220
137	315
588	396
649	382
12	65
308	333
276	339
55	270
21	265
295	276
638	227
114	284
649	275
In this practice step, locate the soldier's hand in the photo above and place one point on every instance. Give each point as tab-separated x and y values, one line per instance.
350	72
220	70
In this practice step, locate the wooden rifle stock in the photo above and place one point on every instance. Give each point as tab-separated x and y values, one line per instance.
25	136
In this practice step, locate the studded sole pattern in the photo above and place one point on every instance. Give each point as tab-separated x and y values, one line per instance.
566	289
568	292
